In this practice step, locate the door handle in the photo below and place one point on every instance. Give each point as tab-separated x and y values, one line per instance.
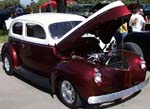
14	43
22	45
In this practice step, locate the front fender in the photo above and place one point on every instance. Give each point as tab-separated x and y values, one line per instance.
79	73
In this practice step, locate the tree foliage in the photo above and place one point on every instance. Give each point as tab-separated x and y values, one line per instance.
41	1
7	3
35	6
125	1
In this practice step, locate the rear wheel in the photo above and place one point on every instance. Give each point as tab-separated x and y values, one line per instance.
68	95
7	64
132	47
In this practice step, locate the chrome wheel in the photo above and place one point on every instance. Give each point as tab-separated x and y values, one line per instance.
6	64
68	92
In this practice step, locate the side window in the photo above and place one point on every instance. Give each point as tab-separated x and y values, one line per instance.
17	28
35	30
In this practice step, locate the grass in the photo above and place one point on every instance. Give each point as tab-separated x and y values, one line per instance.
3	35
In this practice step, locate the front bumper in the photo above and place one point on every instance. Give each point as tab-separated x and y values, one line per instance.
117	95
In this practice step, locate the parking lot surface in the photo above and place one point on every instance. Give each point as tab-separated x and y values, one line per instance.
19	92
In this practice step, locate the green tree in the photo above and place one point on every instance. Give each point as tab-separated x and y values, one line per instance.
125	1
41	1
7	3
35	6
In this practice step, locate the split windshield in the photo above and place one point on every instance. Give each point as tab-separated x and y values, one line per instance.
57	30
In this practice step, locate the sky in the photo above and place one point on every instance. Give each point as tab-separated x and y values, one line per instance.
25	2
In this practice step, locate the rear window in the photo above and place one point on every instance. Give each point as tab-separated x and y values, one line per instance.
17	28
57	30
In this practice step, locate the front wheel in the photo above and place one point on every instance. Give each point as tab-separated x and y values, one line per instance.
7	64
68	95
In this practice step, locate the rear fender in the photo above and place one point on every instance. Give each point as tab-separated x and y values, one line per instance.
9	49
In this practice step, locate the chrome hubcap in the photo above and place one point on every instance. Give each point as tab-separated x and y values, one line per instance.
6	64
68	92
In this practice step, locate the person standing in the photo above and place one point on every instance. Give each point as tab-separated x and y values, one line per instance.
124	29
48	8
19	11
27	9
121	33
137	21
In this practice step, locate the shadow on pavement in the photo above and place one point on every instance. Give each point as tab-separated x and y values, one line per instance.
37	81
42	83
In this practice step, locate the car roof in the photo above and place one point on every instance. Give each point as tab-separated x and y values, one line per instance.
49	18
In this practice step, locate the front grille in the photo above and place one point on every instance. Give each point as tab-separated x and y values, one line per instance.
118	81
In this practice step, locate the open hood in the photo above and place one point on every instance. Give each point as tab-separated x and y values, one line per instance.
104	23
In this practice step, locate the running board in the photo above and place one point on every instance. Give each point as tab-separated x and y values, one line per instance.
33	77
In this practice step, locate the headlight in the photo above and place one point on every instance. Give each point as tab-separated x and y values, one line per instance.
143	66
97	77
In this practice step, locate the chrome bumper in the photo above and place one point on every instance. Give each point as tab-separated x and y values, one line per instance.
117	95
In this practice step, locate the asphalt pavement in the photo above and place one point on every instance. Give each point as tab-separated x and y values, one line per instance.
29	91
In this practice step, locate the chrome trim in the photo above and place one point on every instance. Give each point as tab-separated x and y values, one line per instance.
117	95
68	92
6	64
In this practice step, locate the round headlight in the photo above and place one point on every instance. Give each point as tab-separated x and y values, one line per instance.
97	78
143	66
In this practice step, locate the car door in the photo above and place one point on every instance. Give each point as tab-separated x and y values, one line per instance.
36	53
16	37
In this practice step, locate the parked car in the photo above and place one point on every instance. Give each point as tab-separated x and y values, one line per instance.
142	39
146	9
80	9
65	48
97	7
5	14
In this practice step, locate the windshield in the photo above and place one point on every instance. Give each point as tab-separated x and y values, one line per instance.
57	30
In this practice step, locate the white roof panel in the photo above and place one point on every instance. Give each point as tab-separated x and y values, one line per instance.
49	18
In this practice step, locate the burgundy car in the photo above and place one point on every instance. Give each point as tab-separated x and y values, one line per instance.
66	49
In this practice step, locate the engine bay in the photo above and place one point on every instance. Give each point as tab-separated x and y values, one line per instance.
88	48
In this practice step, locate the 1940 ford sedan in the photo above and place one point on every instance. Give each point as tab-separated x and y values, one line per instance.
66	49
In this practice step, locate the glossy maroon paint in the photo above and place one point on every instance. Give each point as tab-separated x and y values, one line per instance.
55	64
81	73
137	74
82	76
38	57
14	55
